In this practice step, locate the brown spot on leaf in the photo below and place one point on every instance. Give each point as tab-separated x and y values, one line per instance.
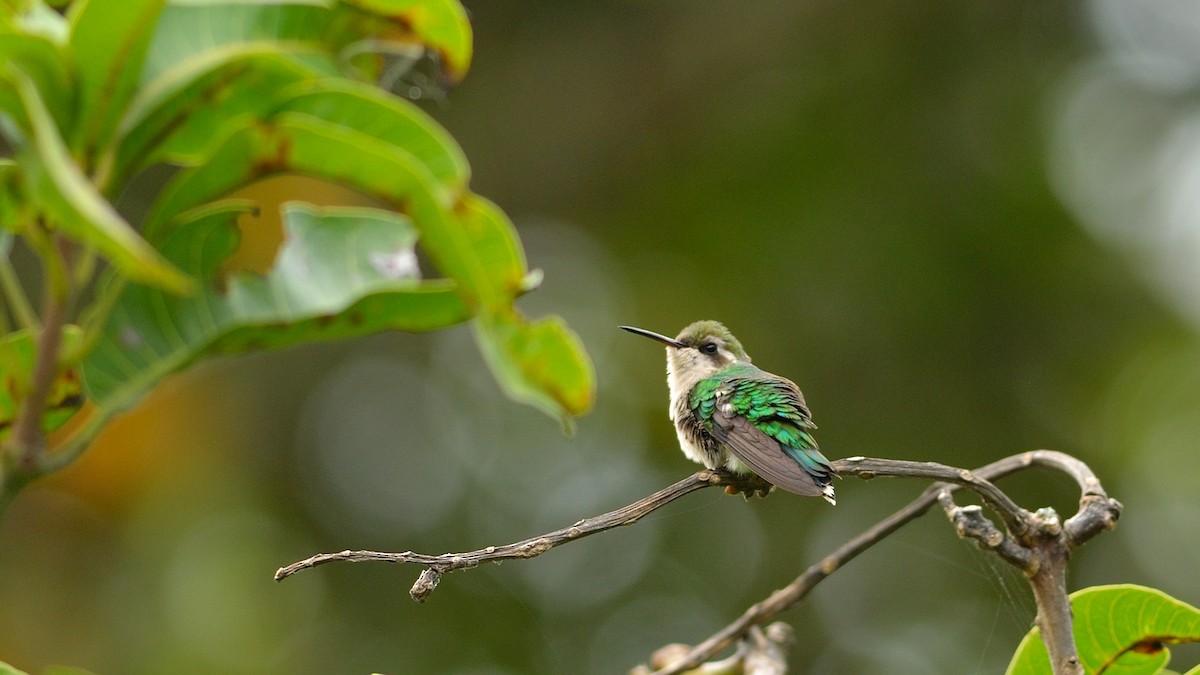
1148	646
274	162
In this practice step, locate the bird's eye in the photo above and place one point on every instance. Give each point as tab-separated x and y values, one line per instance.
709	348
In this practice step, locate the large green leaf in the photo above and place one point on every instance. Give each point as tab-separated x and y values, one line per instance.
188	30
302	143
542	363
341	272
181	114
18	354
44	62
60	188
217	63
1119	630
468	238
388	120
108	39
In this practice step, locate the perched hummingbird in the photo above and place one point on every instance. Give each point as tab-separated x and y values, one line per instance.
732	415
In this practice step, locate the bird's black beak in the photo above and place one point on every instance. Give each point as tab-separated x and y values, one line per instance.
670	342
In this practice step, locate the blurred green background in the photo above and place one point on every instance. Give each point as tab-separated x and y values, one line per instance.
965	229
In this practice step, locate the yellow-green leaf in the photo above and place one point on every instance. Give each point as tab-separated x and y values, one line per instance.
77	208
18	354
440	25
1119	630
542	363
108	40
341	272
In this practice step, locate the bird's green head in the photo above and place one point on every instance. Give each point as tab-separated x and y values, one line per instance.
702	348
713	339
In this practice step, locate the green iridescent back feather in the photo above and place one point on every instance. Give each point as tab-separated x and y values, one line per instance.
769	403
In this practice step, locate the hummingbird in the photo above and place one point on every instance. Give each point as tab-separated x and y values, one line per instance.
729	414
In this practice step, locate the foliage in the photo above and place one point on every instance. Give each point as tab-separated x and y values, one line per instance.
1121	628
232	92
6	669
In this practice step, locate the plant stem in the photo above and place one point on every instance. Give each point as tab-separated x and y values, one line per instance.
1049	584
11	286
25	447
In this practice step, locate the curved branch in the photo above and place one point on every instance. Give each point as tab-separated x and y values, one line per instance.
790	595
1036	542
1014	517
437	565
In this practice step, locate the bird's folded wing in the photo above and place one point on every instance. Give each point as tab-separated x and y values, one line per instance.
763	454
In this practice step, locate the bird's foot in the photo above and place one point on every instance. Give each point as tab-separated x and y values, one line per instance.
747	486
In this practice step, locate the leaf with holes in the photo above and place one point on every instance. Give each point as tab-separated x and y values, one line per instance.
469	239
341	272
484	260
440	26
214	62
1119	630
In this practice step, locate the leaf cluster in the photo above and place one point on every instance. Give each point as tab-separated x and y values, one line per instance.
231	92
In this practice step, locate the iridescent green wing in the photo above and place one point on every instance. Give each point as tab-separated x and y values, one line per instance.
764	421
776	407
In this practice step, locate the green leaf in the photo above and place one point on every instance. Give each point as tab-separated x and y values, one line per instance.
10	208
44	62
470	240
188	31
18	354
213	64
440	25
34	17
59	186
301	143
6	669
181	115
542	363
1119	630
66	670
387	119
108	39
341	272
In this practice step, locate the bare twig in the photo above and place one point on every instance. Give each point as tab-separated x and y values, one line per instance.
970	523
437	565
760	652
1015	517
